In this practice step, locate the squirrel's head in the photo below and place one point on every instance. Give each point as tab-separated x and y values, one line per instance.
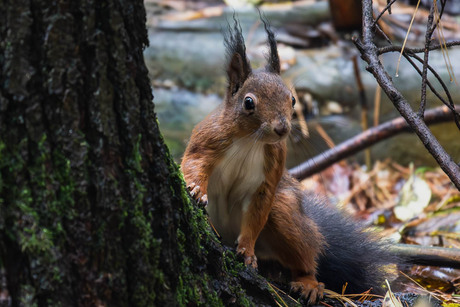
261	104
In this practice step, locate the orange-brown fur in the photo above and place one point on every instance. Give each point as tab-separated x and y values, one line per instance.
274	217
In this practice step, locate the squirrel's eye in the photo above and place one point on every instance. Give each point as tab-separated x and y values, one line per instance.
293	101
249	103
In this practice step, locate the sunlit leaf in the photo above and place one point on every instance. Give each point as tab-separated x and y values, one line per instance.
415	195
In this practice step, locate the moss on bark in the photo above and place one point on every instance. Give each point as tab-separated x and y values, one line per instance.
93	210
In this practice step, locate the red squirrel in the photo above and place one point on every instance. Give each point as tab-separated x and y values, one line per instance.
235	162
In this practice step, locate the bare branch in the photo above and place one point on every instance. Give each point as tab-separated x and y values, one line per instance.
387	7
364	140
369	53
428	35
428	82
394	48
428	255
449	104
380	31
408	53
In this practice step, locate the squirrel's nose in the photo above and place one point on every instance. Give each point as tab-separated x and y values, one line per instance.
281	128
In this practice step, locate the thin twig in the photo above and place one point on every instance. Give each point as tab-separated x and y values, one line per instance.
369	53
381	32
364	140
387	7
412	53
429	33
449	104
428	81
432	46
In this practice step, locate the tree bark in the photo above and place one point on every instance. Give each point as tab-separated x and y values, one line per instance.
93	211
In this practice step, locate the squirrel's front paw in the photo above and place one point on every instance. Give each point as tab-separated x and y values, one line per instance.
309	287
200	198
248	256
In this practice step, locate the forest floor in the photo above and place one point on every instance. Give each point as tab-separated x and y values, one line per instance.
408	205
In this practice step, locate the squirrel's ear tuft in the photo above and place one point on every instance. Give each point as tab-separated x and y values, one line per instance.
238	66
273	60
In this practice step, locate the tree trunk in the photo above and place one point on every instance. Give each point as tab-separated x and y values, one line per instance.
93	211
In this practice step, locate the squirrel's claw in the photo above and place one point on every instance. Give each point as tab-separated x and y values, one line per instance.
191	186
195	192
249	258
203	201
310	289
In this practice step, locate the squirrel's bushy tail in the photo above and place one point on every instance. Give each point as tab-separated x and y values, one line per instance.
353	256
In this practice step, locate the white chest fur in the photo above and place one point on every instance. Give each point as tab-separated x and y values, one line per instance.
232	184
